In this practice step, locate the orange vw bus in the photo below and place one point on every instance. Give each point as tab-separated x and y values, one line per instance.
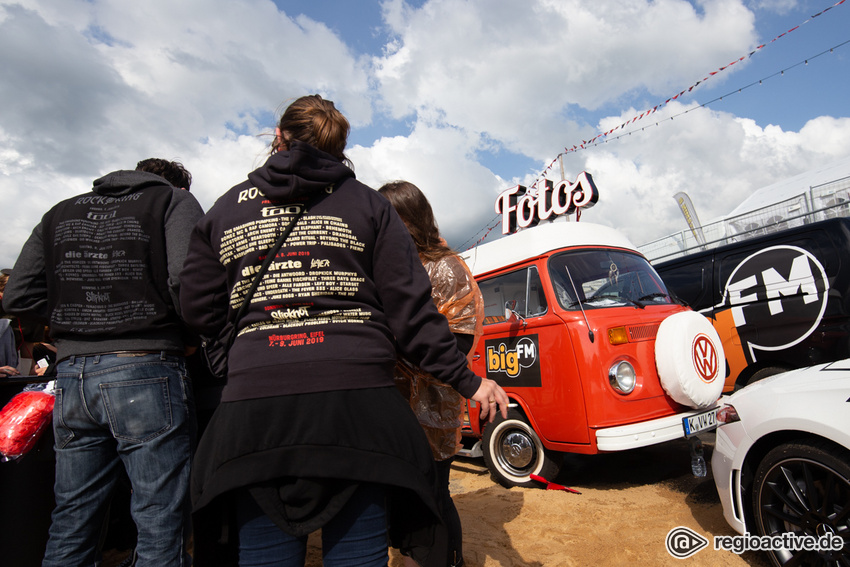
582	334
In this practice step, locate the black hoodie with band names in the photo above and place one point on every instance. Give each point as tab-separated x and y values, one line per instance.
345	290
102	268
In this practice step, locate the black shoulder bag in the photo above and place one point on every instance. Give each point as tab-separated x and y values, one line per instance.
215	351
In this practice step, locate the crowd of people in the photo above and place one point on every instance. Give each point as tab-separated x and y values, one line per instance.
25	345
347	322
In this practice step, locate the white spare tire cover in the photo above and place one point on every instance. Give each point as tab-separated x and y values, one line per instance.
690	360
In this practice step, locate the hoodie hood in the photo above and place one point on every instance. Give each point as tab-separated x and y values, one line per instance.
298	173
125	182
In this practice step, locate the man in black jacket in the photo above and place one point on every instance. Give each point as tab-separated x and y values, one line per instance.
102	270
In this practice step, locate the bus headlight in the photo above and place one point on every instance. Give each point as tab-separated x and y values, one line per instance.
622	377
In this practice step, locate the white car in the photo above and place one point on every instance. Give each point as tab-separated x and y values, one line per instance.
781	461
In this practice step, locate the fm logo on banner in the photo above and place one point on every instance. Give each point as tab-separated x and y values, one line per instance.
782	292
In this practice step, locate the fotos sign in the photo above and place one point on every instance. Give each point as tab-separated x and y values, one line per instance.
520	209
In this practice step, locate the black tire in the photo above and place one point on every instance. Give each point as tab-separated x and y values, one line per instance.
513	451
764	373
804	488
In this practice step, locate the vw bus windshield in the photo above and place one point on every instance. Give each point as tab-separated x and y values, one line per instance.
605	278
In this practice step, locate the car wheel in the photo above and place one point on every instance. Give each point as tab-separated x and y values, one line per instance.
764	373
803	488
513	452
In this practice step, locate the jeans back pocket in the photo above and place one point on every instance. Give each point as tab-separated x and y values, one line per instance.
138	410
62	433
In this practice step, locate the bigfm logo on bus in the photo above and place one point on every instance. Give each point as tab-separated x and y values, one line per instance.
513	361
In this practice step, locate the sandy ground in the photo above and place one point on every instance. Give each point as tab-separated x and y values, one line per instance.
628	503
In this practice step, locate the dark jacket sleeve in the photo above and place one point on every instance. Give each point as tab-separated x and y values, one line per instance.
182	215
203	287
422	333
26	290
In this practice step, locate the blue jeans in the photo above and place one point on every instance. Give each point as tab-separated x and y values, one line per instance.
355	537
114	410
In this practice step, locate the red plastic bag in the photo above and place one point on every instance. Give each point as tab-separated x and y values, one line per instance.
22	421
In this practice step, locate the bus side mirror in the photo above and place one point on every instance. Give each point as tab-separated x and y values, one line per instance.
510	311
511	316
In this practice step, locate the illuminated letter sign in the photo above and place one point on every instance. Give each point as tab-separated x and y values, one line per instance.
506	204
519	209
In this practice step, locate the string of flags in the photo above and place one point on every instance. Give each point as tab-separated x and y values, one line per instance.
593	141
490	226
645	113
604	137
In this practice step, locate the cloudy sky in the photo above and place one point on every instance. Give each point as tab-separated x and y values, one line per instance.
465	98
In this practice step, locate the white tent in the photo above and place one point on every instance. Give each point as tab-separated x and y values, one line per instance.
792	187
817	194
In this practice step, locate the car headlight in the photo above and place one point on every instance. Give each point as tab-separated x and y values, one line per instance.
623	377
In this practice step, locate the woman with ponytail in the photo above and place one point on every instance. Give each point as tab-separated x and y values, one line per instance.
311	432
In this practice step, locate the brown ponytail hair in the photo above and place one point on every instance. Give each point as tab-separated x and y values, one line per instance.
315	121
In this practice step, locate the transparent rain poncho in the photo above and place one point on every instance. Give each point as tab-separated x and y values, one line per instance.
438	406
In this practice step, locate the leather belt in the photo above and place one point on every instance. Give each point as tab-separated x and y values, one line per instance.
127	353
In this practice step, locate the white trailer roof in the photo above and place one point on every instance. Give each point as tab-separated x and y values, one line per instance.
538	240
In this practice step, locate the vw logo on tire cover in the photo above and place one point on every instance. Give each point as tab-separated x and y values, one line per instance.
705	358
690	360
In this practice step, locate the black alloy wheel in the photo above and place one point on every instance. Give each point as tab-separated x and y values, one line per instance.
803	488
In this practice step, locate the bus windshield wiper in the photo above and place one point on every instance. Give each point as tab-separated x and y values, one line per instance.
653	296
613	297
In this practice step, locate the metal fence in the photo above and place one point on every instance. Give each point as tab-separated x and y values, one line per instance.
819	202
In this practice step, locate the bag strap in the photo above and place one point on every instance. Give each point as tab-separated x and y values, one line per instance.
255	283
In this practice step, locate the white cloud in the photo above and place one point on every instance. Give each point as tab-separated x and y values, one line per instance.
96	86
778	6
440	162
93	86
519	71
220	163
524	75
715	157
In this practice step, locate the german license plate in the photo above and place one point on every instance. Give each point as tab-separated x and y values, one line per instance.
700	422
